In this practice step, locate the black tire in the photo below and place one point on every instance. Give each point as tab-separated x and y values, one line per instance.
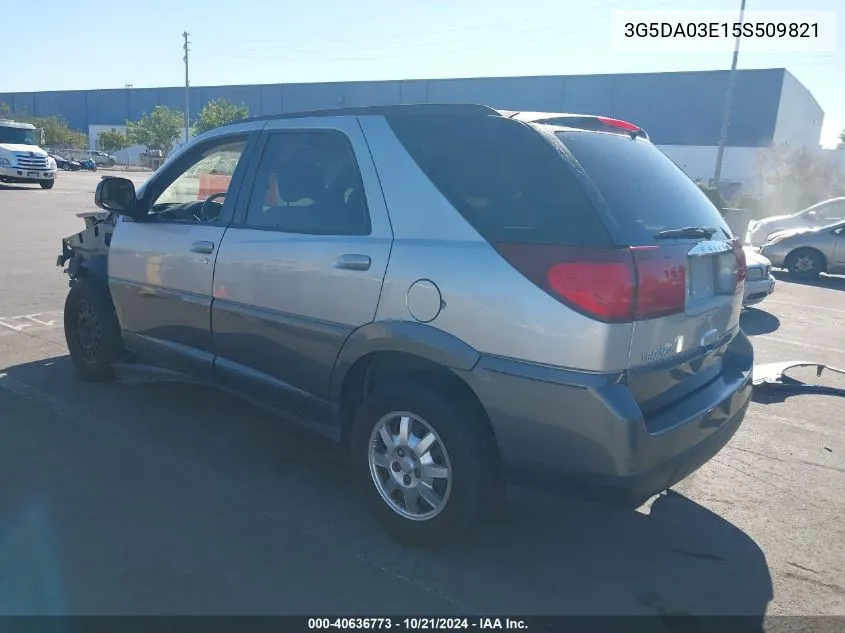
47	184
806	262
468	442
92	331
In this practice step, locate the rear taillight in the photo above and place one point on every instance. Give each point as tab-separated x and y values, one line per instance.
615	285
661	280
600	288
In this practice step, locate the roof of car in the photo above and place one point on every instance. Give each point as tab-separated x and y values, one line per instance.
580	121
17	124
456	109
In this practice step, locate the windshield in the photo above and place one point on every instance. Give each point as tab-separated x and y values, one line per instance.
645	191
17	136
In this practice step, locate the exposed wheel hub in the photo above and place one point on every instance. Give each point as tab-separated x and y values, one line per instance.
88	331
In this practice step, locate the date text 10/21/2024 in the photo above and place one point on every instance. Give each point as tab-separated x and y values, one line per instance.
417	624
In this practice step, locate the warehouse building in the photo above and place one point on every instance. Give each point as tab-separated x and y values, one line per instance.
681	111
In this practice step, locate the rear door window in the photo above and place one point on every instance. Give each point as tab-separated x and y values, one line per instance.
645	192
508	181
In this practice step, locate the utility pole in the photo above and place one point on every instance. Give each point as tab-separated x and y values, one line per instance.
726	114
187	85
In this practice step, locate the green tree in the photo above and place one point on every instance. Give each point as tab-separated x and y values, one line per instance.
57	133
793	179
112	141
158	130
218	112
841	140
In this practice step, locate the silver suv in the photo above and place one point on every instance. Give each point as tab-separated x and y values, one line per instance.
465	298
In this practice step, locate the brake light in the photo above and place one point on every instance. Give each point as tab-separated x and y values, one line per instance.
602	289
615	285
617	123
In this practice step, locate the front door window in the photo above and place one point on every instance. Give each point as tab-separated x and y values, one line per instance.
198	193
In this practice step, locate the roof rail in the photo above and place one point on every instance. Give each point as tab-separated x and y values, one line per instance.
454	109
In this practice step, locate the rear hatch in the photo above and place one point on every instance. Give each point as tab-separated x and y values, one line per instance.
689	268
590	213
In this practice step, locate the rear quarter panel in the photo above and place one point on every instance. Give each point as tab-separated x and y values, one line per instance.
485	302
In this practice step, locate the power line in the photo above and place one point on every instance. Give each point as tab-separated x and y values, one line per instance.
549	20
407	49
394	34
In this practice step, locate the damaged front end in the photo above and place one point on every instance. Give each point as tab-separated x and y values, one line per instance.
88	249
770	377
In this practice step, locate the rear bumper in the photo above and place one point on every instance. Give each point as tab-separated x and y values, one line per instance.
584	434
757	290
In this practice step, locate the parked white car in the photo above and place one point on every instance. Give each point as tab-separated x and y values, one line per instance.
759	281
820	214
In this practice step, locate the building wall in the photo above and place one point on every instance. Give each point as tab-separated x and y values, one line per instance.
739	164
683	108
800	118
129	156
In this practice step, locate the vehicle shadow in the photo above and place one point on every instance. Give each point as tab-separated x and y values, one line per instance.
8	187
535	556
754	322
834	282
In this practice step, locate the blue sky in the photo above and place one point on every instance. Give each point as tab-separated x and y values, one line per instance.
96	44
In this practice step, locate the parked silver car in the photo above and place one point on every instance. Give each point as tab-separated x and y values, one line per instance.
821	214
465	299
759	280
808	252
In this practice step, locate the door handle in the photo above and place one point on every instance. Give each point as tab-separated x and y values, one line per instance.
352	261
202	246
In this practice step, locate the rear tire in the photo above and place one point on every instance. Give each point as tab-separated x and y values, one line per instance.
92	331
431	485
47	184
806	262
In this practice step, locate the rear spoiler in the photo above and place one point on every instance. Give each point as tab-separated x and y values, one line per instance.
579	122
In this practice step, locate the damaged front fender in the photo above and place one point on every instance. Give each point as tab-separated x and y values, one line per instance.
88	249
771	377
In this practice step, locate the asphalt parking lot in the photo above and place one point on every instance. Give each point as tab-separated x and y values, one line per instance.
167	498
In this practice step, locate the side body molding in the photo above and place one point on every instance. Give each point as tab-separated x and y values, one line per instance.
401	336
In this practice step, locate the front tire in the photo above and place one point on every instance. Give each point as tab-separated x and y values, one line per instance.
92	331
47	184
423	462
807	263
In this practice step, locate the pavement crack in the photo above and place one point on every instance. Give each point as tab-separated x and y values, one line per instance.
802	567
818	583
787	461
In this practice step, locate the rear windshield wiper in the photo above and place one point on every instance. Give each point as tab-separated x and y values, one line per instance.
687	231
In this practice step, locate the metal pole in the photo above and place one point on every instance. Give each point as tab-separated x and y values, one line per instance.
726	114
187	101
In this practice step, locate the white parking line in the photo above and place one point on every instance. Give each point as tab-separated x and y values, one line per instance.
36	321
778	339
815	307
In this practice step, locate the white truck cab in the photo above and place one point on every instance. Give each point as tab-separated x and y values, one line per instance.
21	158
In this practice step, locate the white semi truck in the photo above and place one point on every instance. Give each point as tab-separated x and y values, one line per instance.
21	158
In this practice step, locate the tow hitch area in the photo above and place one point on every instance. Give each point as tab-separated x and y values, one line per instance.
771	377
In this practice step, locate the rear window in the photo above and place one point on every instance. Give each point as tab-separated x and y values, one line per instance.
644	190
508	181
